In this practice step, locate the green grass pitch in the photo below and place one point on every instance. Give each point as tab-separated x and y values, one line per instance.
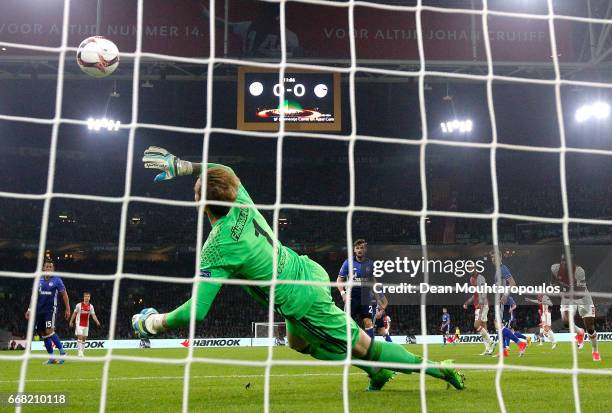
151	387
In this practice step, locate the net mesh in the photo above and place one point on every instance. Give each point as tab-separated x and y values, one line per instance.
260	330
349	209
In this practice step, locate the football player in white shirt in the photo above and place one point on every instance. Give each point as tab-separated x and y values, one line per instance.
82	312
544	303
481	310
581	302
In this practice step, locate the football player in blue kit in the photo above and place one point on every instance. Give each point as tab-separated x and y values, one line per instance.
361	296
49	288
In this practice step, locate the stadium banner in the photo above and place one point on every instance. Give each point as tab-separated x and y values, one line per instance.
159	343
262	342
477	338
180	27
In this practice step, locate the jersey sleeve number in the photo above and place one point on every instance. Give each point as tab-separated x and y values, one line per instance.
260	231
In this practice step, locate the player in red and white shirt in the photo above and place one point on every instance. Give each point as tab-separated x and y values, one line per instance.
544	309
81	314
582	301
481	310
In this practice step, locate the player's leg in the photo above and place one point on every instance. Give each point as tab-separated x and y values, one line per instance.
445	336
43	326
55	338
327	321
551	336
547	326
511	335
394	353
540	336
81	338
480	325
80	345
520	335
46	327
567	312
589	323
324	327
506	341
587	312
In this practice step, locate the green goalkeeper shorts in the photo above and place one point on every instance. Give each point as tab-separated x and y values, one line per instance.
325	324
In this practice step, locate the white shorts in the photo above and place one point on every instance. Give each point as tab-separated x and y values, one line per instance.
81	331
480	314
545	319
585	306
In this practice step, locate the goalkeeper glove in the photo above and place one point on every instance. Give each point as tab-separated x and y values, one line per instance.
138	322
171	166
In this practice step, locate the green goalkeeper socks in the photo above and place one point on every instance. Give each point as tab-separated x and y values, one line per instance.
395	353
378	351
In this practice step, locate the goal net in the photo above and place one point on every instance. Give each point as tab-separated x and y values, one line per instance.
261	330
325	161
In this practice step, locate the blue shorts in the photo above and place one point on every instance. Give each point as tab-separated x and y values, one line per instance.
510	323
359	312
45	320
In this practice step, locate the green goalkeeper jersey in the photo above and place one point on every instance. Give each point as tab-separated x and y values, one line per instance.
240	246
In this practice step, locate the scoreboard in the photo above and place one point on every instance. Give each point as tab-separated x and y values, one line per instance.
312	100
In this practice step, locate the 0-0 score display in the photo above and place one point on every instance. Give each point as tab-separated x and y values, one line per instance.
311	100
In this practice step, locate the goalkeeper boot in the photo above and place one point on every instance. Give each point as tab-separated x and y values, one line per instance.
379	379
453	377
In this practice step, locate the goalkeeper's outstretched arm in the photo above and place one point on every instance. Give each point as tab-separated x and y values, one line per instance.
149	322
223	185
172	166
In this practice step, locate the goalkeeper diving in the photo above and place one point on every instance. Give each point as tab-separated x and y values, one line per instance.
240	246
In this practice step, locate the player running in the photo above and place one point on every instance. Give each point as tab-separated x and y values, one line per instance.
240	246
544	309
361	296
83	311
481	309
508	329
445	327
583	302
46	308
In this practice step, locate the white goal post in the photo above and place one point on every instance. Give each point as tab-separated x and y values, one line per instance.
260	329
